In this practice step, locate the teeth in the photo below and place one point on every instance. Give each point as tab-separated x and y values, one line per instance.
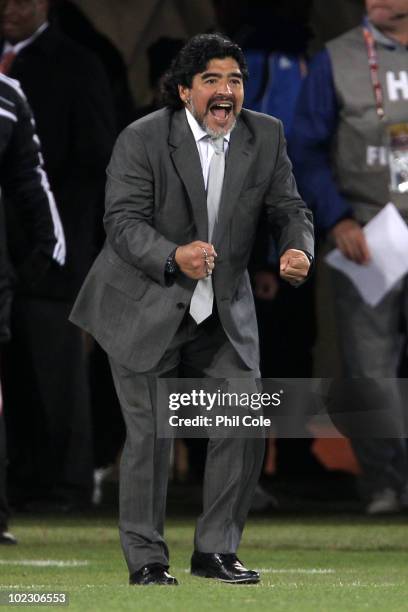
222	105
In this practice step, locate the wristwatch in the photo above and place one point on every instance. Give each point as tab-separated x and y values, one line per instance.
171	264
171	268
312	263
309	256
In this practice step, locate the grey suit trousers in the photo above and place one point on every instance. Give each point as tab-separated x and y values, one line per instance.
371	342
232	467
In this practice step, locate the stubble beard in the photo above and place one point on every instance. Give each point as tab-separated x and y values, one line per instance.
207	129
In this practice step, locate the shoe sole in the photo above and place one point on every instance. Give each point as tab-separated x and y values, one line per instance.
242	581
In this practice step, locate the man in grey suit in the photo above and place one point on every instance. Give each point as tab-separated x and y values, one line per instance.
186	186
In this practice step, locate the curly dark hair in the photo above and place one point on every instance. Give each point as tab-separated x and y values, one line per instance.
193	59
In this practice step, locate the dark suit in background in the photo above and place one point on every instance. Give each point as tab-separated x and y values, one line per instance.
25	185
73	22
5	303
49	416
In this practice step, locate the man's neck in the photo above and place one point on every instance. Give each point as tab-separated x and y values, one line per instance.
18	46
397	31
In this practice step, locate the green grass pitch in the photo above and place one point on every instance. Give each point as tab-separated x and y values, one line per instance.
321	563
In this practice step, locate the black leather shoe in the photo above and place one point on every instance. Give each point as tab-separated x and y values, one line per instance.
224	567
153	573
7	538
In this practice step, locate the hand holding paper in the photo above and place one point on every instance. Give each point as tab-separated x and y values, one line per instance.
351	240
387	240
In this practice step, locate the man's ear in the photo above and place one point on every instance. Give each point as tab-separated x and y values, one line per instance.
184	93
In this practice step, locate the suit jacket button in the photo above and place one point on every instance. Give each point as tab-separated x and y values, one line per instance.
181	305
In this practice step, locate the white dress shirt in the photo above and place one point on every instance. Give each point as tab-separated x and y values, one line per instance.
205	149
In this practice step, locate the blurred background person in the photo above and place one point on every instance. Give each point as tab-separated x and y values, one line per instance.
51	459
72	21
5	536
330	19
5	303
25	185
160	55
107	423
356	91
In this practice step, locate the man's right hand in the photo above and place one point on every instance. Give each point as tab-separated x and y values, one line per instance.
191	259
351	241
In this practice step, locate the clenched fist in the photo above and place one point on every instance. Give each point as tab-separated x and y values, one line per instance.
294	266
196	260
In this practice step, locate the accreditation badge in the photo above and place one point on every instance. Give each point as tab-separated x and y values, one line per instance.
398	157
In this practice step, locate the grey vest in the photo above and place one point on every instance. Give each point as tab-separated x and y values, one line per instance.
360	149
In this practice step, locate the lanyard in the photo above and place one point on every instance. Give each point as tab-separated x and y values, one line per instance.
373	65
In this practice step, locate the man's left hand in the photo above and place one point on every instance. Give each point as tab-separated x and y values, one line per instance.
294	266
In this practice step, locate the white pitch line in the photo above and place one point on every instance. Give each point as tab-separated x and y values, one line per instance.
269	570
44	563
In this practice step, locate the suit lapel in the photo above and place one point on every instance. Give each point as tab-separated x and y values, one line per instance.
187	162
237	164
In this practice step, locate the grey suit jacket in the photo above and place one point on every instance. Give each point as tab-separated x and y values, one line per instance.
155	201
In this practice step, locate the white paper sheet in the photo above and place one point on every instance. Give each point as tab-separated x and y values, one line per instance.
387	239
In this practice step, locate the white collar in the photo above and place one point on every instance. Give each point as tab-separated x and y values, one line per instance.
381	38
197	130
23	43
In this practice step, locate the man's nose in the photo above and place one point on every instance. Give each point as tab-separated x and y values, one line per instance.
224	87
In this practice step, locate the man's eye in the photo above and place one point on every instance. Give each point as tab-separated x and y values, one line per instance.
236	82
211	81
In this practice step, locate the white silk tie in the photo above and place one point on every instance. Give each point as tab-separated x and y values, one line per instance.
201	304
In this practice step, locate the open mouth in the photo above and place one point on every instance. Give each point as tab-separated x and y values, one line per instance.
221	110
